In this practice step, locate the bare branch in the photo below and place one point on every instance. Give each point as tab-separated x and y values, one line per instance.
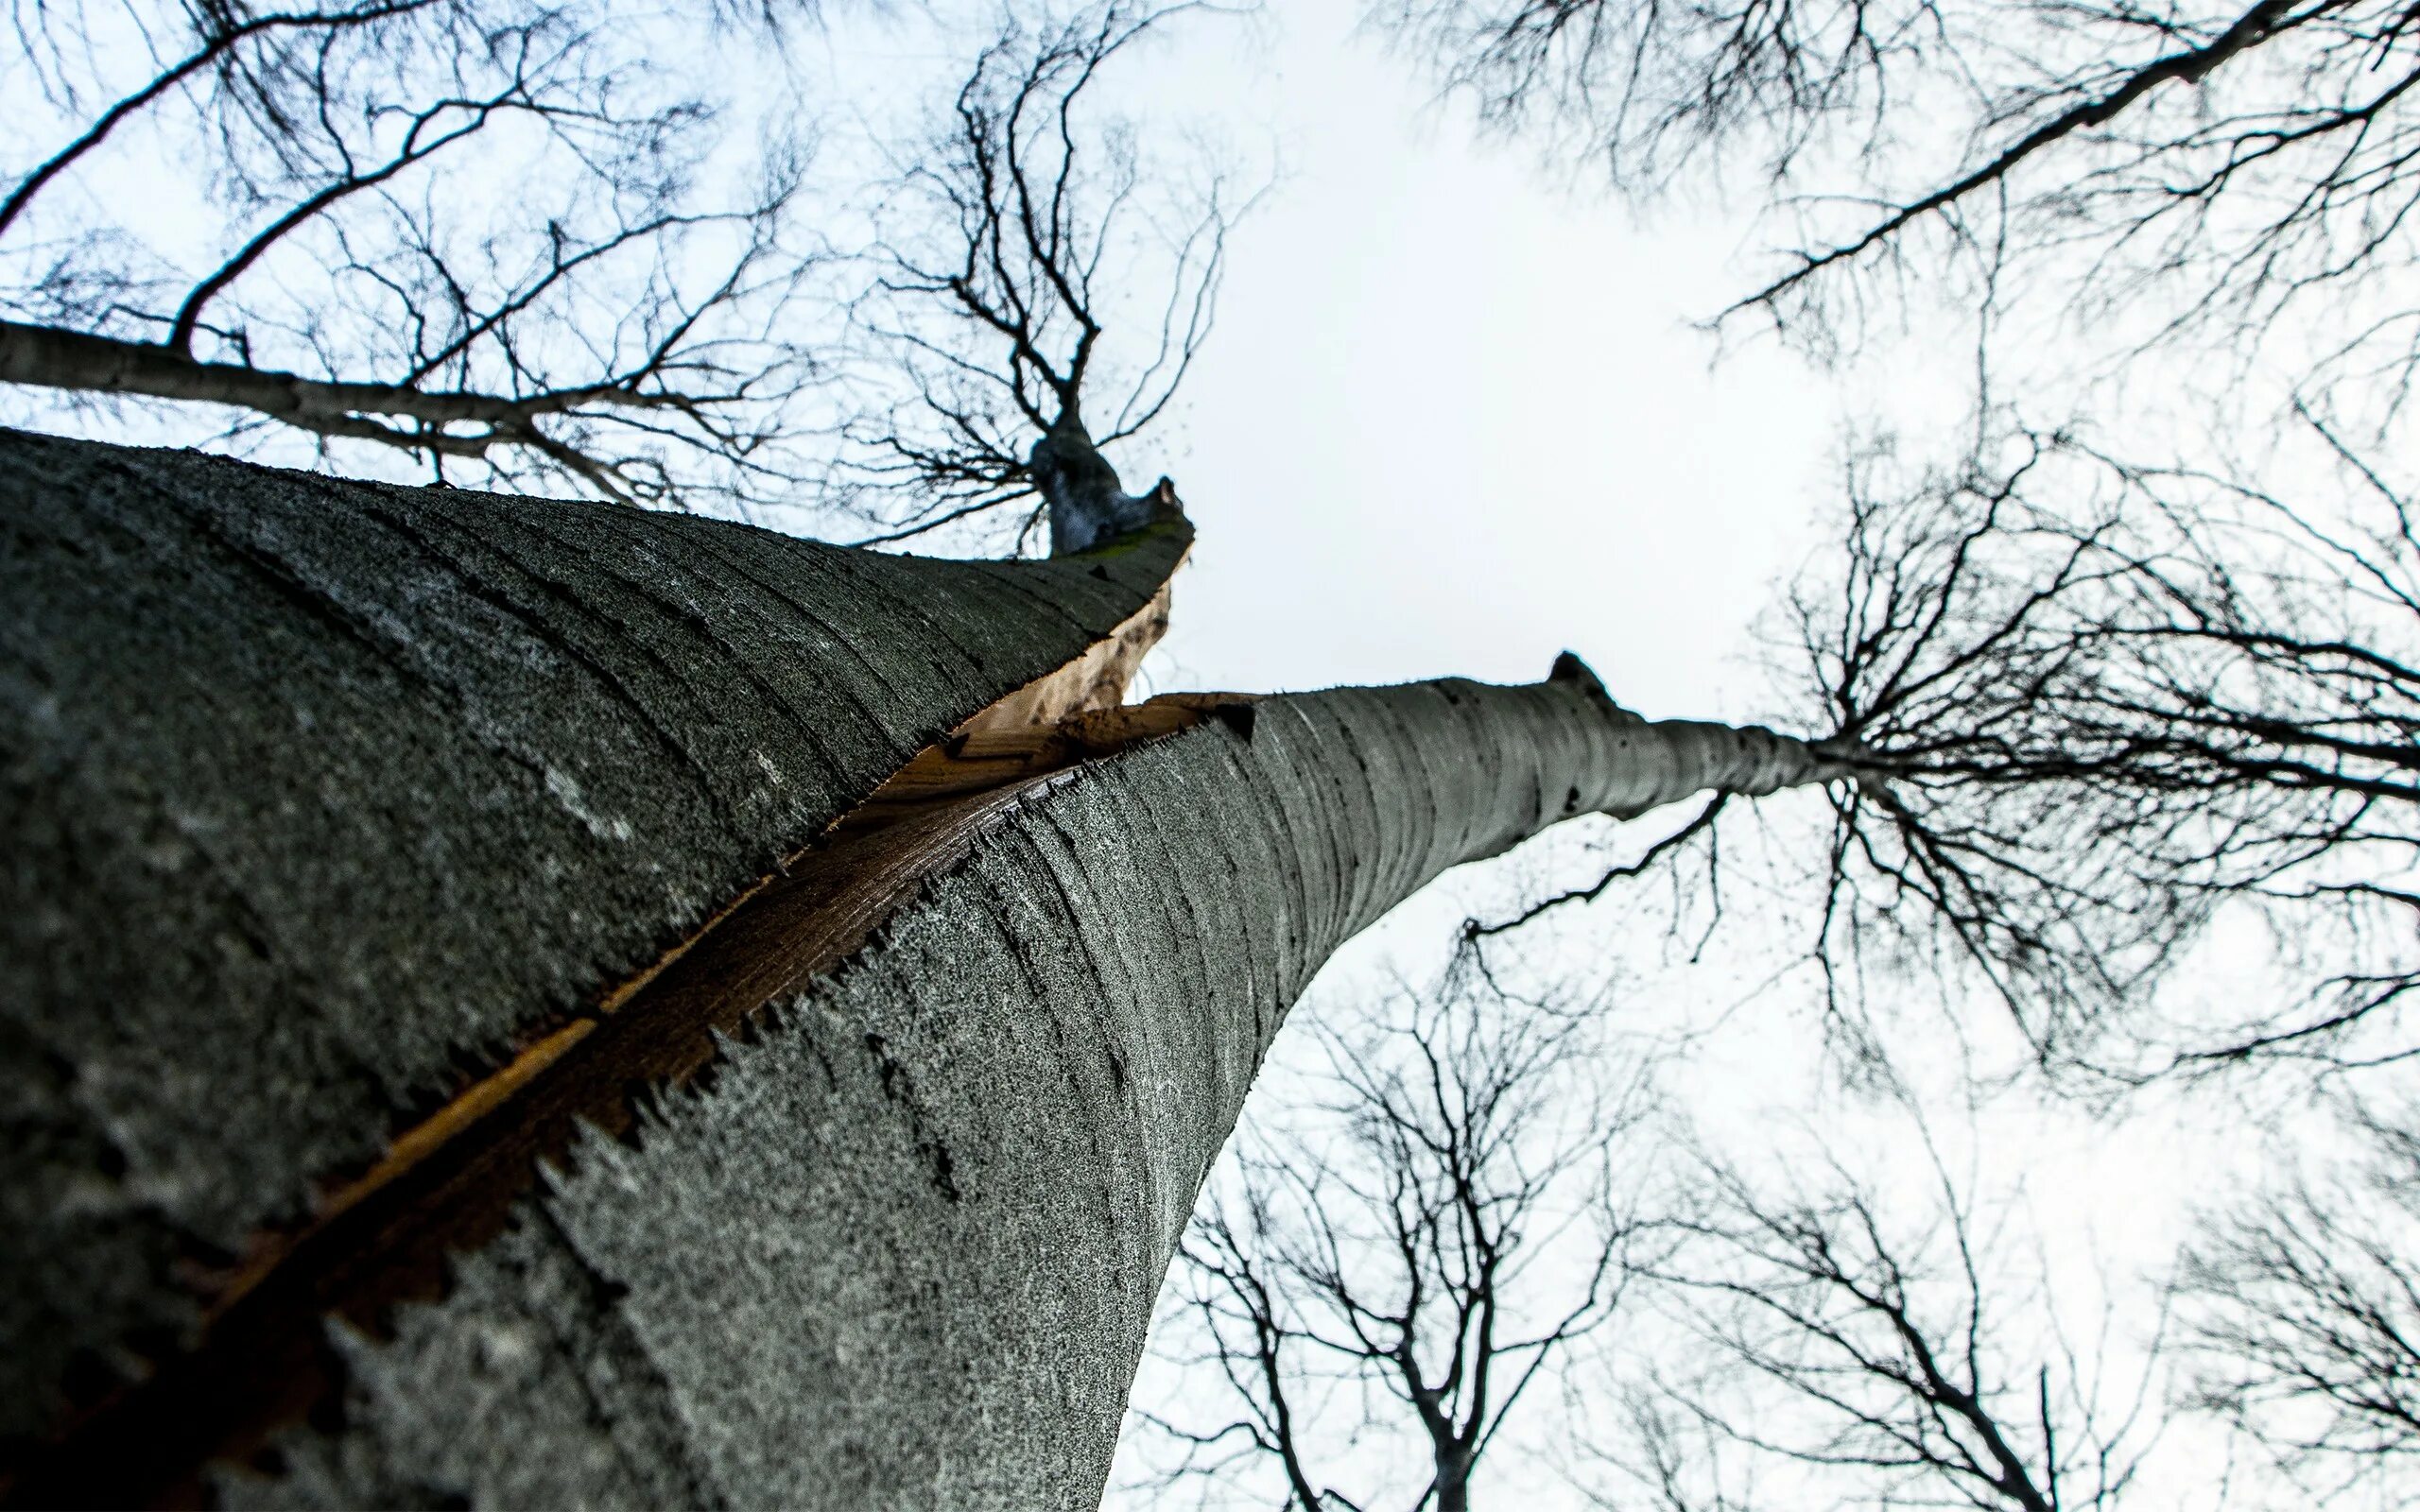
604	326
1886	1352
2302	1316
1017	239
2142	172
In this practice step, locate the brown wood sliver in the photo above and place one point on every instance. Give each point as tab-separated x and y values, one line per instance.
449	1182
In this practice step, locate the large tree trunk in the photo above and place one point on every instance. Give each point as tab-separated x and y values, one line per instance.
349	830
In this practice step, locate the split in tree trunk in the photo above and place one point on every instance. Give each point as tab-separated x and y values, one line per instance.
888	1153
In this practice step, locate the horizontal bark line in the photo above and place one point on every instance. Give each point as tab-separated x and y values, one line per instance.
1743	761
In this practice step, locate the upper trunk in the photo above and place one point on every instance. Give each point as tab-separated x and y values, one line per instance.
1453	1486
291	836
905	1251
1088	505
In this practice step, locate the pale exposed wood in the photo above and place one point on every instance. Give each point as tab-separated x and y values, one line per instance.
987	753
1095	679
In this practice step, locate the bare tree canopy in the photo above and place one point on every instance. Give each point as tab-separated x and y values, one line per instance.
1417	1259
2189	168
2102	710
1889	1358
500	237
2161	698
1005	263
532	246
2301	1313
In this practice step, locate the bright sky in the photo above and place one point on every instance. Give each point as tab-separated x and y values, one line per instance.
1453	420
1456	417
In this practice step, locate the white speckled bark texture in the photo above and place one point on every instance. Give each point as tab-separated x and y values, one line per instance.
903	1252
318	798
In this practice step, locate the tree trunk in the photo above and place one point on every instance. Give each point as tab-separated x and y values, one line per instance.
1454	1487
349	830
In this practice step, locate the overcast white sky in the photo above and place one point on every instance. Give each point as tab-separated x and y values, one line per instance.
1456	417
1455	421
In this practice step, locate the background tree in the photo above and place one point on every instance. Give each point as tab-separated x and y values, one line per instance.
2301	1316
1889	1362
2106	709
1815	1333
1419	1257
1006	305
647	313
2171	171
508	241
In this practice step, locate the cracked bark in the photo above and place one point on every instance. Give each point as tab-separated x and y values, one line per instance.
335	798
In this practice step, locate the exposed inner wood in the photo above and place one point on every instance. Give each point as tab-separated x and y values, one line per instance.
448	1183
1095	679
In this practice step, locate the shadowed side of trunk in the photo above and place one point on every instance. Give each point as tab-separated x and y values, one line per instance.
319	801
900	1247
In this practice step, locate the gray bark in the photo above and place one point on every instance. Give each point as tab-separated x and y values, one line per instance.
325	788
905	1253
318	797
1453	1487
